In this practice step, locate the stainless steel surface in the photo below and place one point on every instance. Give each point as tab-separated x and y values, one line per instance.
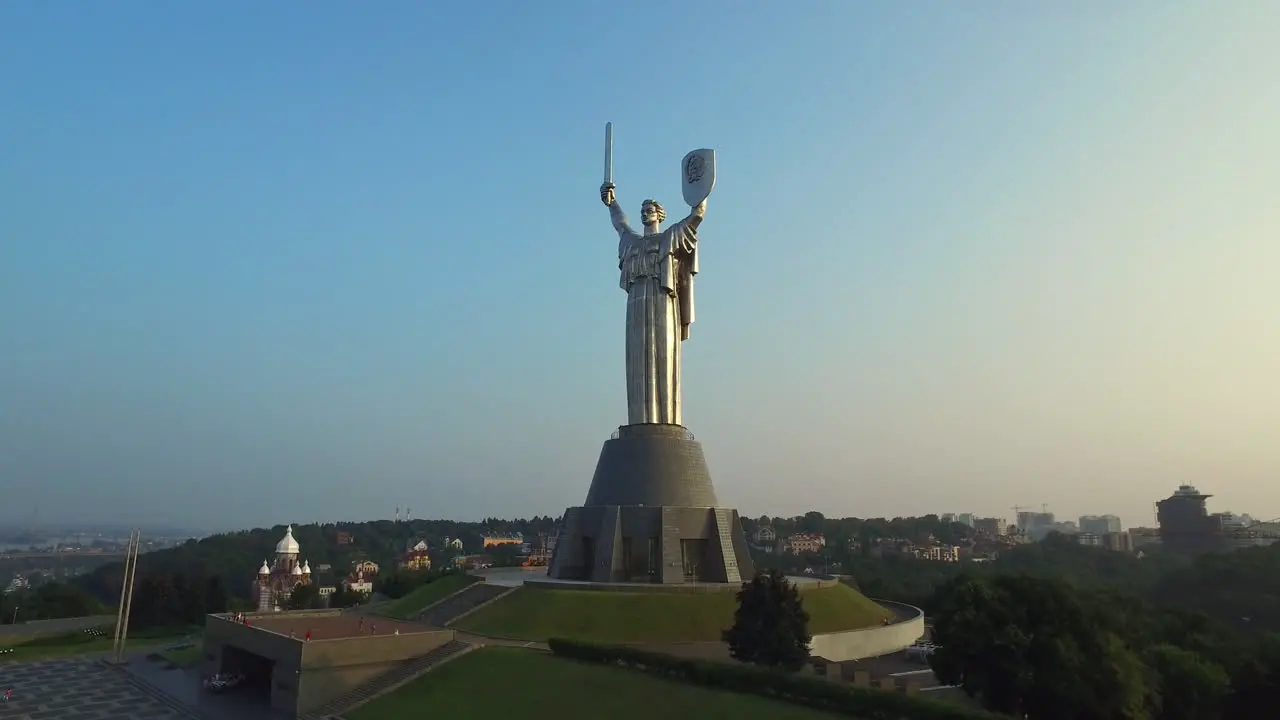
608	153
657	268
698	175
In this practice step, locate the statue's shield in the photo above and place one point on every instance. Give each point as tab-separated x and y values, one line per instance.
698	174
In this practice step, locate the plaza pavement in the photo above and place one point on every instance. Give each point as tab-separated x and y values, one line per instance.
75	689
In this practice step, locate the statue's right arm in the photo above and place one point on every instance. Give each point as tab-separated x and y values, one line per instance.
619	219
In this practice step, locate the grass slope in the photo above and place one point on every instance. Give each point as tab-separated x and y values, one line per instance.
499	682
55	646
617	617
423	597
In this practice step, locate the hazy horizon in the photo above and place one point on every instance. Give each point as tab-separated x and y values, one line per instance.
271	264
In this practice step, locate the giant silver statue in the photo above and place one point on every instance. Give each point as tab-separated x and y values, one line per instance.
657	269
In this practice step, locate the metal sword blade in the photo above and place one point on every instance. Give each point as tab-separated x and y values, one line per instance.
608	153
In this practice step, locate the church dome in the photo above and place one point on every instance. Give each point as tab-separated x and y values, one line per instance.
287	545
264	570
306	568
296	570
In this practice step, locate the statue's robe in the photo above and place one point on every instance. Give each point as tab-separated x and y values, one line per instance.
657	273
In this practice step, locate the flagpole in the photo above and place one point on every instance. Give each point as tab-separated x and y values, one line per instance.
124	586
128	603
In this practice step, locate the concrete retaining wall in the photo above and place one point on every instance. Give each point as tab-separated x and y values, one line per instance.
873	641
332	668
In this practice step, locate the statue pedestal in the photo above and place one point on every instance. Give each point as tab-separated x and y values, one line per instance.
651	516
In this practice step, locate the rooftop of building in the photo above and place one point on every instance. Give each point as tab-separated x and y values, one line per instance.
333	627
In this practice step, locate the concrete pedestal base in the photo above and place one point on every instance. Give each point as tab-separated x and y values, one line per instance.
651	516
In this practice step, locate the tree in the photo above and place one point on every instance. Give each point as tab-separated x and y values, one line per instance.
1191	688
1038	649
304	597
770	626
215	596
812	522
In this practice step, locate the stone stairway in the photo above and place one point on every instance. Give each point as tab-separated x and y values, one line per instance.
390	680
459	604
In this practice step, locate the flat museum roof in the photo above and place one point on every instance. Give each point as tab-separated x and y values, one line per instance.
335	627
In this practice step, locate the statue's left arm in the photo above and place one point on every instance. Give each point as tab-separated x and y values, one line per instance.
696	213
685	233
677	275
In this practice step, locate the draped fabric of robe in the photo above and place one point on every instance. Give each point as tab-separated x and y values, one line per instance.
657	273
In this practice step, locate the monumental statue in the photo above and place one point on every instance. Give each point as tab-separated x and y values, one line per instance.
651	513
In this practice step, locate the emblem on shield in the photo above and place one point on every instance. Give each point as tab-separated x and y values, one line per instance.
698	174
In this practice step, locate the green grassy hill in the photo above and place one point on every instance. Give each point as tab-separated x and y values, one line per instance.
498	682
620	617
424	597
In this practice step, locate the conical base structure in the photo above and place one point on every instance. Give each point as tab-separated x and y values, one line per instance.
651	516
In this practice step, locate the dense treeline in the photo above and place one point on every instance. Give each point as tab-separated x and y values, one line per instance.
1045	649
235	557
48	602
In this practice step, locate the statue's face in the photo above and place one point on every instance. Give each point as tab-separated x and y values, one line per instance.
650	214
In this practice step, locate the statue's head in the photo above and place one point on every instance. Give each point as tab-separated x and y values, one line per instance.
652	212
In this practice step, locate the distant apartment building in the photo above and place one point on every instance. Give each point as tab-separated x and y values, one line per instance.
993	527
1099	524
965	519
1144	538
1119	541
1186	528
948	517
1088	538
1036	525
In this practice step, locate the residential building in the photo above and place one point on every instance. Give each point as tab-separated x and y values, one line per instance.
1099	524
800	543
764	535
938	553
1186	527
1119	541
417	557
358	581
1035	525
1088	538
1144	538
992	527
368	567
965	518
345	538
948	517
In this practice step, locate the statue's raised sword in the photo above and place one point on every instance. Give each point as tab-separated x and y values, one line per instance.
608	153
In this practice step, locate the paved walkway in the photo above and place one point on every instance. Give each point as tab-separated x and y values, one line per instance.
75	689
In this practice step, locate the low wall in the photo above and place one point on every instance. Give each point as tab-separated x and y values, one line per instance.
659	588
873	641
332	668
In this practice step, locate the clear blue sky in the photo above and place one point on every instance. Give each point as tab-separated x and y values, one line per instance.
283	262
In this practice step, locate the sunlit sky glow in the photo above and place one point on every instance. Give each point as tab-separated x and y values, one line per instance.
295	262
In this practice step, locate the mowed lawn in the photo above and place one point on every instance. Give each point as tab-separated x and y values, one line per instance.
55	646
500	682
619	617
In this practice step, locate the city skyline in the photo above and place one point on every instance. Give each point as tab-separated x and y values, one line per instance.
315	264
